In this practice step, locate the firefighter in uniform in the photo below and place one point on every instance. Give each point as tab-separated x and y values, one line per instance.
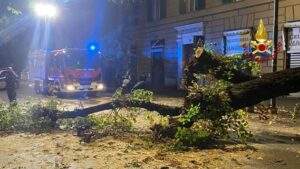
142	84
11	79
126	84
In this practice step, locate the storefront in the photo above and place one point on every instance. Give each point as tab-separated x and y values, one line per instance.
237	42
292	45
187	36
158	60
292	40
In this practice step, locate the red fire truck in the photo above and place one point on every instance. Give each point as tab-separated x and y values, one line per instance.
65	71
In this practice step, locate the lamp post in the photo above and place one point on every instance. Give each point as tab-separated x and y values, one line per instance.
45	11
275	40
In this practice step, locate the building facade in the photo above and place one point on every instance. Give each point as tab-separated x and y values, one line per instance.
167	29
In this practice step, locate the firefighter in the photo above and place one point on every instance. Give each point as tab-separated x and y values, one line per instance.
127	83
11	79
142	84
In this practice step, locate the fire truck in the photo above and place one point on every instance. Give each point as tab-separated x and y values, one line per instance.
65	71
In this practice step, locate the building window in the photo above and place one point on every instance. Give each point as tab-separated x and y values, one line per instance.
182	6
156	9
192	5
229	1
186	6
150	11
199	4
162	9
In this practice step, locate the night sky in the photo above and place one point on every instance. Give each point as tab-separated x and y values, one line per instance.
79	23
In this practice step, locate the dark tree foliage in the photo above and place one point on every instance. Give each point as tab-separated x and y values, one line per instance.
15	35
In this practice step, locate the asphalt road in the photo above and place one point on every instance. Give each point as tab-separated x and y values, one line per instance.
25	93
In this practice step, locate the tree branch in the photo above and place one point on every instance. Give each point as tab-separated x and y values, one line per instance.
161	109
207	62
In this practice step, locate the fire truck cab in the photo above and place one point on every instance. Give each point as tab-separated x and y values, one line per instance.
65	71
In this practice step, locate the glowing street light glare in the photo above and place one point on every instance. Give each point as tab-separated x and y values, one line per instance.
45	10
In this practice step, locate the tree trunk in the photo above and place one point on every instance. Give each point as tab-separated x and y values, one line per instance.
268	86
255	91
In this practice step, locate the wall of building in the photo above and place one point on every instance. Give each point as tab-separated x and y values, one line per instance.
216	19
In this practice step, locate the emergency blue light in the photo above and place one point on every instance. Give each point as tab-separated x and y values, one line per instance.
92	47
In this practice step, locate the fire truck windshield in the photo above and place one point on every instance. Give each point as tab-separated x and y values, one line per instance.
79	59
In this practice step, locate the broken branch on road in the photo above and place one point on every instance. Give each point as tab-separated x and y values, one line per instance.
161	109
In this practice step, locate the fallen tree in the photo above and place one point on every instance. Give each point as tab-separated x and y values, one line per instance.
205	63
241	95
233	88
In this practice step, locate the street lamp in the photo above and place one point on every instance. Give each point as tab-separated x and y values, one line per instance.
45	10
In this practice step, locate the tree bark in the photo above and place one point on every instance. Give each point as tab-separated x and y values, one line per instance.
255	91
268	86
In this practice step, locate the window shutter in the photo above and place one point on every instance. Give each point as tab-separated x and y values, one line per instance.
295	60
